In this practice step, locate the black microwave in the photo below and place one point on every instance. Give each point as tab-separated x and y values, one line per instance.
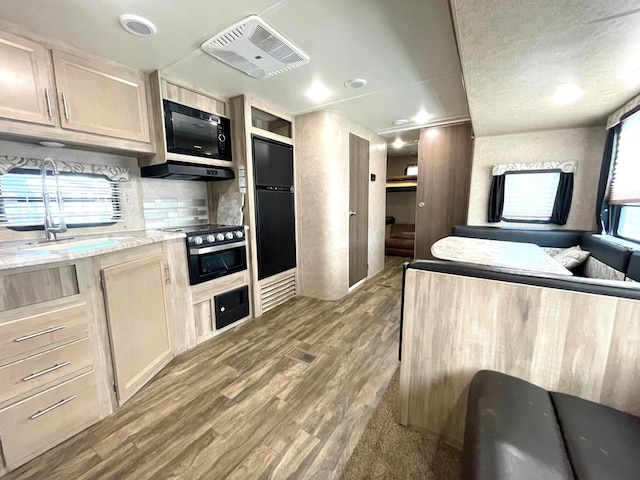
193	132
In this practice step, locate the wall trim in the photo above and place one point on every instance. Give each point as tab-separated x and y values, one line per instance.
568	166
114	173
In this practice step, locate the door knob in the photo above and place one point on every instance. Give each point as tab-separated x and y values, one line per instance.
353	213
421	204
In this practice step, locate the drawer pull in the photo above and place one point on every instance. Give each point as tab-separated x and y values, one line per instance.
65	107
52	407
50	369
37	334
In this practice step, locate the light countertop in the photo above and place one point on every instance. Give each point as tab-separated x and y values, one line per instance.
16	254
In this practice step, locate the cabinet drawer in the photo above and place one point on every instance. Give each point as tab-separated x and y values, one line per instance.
36	424
33	372
35	332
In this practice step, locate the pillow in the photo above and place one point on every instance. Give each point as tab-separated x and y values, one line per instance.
571	257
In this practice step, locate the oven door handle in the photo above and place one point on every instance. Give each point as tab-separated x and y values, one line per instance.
216	248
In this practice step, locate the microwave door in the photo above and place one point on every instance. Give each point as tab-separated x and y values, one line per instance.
192	134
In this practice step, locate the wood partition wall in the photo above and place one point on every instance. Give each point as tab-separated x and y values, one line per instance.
577	343
445	155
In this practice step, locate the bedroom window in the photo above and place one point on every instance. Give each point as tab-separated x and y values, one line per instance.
629	223
89	200
529	196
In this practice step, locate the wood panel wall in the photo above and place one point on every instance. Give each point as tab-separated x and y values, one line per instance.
577	343
445	155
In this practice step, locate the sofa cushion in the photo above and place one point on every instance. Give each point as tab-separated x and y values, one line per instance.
544	238
399	243
633	271
403	230
615	255
602	443
571	257
511	432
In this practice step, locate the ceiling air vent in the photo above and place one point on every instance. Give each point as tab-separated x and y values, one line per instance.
255	48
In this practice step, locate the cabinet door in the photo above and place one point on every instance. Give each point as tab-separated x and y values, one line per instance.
24	83
101	99
138	322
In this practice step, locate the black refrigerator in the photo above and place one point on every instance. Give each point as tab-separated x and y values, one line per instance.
275	210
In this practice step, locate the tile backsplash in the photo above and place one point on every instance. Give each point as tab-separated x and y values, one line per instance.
171	212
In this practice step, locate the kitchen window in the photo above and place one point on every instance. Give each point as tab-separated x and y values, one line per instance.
88	199
529	196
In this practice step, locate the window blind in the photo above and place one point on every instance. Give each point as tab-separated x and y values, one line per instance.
625	184
87	199
530	196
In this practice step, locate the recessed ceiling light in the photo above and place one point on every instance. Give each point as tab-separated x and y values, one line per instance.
398	143
137	25
401	121
422	117
567	93
355	83
318	93
47	143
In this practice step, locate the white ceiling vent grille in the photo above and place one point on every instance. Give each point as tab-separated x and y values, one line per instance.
137	25
255	48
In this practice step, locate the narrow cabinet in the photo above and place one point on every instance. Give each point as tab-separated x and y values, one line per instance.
26	84
102	99
137	316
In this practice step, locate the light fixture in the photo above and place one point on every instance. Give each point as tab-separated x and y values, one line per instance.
318	93
422	117
47	143
137	25
400	121
433	133
398	143
567	93
355	83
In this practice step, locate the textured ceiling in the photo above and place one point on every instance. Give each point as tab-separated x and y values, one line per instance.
515	54
406	50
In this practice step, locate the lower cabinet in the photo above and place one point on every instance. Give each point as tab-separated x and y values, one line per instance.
138	320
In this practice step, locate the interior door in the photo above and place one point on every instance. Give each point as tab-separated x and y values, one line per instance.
138	322
444	176
358	208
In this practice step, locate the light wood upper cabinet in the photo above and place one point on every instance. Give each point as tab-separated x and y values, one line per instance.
102	99
137	315
25	83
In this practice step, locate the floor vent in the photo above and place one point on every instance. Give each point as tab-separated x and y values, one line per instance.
302	356
277	292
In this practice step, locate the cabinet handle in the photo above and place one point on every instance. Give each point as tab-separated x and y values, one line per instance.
52	407
64	106
47	370
37	334
353	213
48	99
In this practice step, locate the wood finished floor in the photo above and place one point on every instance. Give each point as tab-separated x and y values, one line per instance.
244	405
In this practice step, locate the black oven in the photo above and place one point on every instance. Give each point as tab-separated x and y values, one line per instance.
208	262
194	132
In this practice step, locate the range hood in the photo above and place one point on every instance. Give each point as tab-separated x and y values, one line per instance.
184	171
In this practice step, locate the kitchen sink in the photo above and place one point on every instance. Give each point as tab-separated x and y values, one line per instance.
74	245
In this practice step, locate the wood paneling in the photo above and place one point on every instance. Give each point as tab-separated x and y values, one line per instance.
35	286
576	343
358	208
101	99
29	427
193	97
444	176
26	93
239	407
138	322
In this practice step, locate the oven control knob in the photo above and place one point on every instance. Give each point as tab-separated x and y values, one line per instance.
197	240
211	238
220	237
229	235
239	234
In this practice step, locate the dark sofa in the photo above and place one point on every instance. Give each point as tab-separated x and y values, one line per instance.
401	240
515	430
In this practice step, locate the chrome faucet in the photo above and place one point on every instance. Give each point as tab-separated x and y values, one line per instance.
50	229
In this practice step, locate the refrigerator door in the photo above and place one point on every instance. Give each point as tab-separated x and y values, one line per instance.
276	232
272	163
